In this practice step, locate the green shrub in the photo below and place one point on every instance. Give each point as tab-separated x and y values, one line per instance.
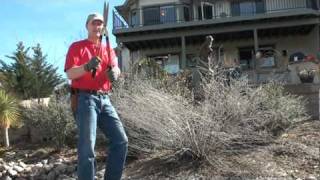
53	124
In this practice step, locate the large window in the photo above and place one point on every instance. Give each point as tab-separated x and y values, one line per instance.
247	8
159	15
167	14
151	15
186	13
170	63
246	58
206	10
268	57
134	18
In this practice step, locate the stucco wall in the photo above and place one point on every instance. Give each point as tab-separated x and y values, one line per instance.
125	54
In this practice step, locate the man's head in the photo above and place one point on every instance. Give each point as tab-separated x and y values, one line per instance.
94	25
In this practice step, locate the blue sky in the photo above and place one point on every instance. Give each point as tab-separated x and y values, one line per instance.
55	24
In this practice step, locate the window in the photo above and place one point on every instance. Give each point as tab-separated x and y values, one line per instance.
207	10
312	4
167	14
246	58
170	63
134	18
186	13
151	15
191	60
159	15
268	57
199	13
247	8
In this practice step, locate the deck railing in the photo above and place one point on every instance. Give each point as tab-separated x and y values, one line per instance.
178	13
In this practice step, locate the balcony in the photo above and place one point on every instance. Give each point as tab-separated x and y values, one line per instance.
177	15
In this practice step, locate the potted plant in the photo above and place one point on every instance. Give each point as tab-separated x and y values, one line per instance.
307	75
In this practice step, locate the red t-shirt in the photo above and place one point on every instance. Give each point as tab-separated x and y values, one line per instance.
80	53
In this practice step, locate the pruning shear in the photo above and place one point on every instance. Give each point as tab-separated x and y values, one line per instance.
104	33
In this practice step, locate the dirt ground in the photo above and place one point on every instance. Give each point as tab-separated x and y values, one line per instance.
294	155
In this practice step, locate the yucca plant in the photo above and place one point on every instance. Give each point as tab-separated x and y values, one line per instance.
9	114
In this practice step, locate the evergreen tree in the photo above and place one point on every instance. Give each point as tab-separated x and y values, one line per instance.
45	76
17	76
29	77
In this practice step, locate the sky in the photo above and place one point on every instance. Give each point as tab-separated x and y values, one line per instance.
55	24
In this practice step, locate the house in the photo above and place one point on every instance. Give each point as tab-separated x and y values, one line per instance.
170	32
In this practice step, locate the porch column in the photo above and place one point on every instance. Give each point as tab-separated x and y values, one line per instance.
256	61
140	11
183	52
317	38
255	37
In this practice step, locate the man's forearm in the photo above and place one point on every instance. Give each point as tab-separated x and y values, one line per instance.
76	72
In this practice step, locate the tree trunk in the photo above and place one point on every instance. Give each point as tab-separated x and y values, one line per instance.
6	137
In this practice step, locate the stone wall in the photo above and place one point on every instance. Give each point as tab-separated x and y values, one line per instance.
310	92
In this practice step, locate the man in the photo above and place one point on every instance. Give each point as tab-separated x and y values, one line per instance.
91	70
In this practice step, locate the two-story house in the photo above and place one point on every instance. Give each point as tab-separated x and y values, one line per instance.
171	32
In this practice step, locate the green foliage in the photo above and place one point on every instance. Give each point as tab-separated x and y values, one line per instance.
29	77
54	123
9	111
9	114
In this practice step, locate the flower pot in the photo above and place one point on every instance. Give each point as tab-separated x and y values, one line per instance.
306	79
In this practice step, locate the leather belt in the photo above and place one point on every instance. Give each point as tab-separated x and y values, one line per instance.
89	91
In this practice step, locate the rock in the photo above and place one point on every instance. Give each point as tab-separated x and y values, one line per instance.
65	177
11	164
100	174
51	175
48	167
60	168
12	172
27	169
9	154
43	176
18	168
7	178
311	177
2	168
6	167
70	169
45	161
39	165
22	164
21	178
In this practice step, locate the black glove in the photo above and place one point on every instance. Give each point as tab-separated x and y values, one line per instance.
92	64
113	73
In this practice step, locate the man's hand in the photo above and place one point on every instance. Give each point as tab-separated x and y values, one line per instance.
92	64
113	73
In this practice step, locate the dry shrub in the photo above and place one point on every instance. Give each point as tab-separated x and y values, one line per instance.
53	124
231	118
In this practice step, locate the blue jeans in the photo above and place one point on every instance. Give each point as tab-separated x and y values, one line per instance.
93	111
